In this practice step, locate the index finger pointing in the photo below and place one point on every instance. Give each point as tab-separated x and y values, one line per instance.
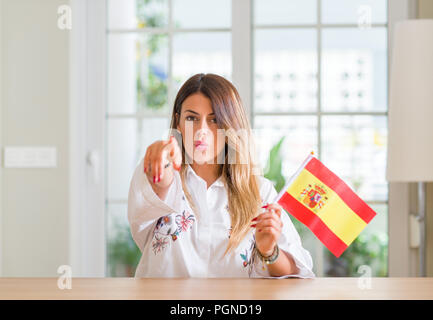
172	153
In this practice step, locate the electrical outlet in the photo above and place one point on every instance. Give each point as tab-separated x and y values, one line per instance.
30	157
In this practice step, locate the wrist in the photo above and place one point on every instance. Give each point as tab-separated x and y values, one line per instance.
267	253
269	258
164	182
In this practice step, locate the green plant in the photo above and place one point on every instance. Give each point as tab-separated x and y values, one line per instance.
274	166
123	253
368	249
151	79
146	17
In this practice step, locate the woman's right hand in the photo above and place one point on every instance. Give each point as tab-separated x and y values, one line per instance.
161	156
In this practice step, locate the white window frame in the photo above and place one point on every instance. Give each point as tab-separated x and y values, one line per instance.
87	123
400	256
318	255
87	109
1	145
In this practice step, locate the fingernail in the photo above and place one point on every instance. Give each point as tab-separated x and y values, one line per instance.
145	169
266	206
153	179
253	226
254	219
159	178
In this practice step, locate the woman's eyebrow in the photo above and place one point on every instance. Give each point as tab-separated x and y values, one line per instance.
192	112
210	114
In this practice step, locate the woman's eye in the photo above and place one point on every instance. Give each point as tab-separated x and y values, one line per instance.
189	118
213	120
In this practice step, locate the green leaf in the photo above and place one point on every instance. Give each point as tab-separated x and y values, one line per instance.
274	166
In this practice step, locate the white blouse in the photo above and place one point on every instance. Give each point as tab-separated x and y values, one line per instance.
175	242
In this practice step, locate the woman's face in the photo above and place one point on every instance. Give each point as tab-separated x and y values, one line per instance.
200	130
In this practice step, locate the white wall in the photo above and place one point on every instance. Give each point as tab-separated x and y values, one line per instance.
425	11
34	102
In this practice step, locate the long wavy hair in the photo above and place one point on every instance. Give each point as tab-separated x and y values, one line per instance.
243	190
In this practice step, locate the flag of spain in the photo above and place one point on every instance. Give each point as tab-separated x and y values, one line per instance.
326	205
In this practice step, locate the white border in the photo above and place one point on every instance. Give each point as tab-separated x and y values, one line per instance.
399	253
242	52
76	116
87	104
1	144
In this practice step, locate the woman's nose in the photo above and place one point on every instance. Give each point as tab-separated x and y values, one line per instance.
202	132
203	125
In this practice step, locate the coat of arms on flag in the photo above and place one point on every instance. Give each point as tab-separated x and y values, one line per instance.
326	205
314	196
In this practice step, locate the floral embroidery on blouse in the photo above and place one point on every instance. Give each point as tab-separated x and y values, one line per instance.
184	221
159	244
245	258
170	227
250	257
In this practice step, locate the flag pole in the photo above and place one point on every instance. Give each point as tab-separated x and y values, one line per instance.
293	177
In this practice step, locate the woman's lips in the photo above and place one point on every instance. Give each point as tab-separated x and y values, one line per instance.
200	145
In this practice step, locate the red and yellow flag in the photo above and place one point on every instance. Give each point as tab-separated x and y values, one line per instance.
326	205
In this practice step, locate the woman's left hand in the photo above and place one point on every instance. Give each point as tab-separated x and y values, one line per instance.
268	228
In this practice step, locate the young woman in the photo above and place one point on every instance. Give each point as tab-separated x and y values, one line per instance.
196	208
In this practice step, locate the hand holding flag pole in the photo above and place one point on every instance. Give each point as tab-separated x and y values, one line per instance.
324	203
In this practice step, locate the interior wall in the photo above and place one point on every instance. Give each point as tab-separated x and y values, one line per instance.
429	228
425	11
34	107
404	260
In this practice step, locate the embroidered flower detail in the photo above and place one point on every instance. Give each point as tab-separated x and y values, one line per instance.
169	227
184	221
245	258
249	258
165	226
253	257
159	244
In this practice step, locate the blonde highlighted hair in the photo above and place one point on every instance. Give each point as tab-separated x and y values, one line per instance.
241	182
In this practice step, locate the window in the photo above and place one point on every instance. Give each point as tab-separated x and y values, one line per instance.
319	78
153	47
